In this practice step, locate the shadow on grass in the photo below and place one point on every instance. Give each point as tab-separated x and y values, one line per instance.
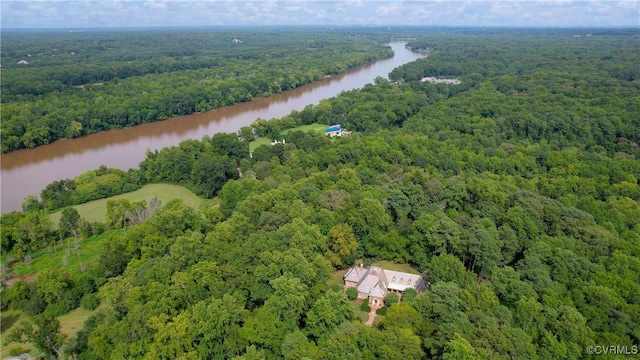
7	321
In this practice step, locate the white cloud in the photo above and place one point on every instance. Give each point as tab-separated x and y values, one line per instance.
156	4
114	13
629	5
388	10
554	2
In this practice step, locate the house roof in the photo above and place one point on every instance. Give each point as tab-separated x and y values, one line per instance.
355	274
375	281
333	128
400	281
378	291
368	284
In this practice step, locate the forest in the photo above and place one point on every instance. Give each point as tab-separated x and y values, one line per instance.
515	193
78	83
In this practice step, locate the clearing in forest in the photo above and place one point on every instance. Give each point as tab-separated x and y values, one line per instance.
96	211
70	324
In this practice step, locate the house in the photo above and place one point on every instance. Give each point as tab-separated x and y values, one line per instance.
435	80
23	62
375	282
237	41
333	130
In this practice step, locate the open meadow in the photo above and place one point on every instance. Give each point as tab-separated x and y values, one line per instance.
70	324
95	211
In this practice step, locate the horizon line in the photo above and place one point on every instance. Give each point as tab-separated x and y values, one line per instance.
617	27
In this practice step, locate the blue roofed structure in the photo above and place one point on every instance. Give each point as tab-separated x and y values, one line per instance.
334	130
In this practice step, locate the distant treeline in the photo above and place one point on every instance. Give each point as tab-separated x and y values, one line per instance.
82	83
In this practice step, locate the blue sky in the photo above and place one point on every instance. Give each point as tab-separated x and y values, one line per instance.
153	13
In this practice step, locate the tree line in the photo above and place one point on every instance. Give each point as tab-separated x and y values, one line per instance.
77	84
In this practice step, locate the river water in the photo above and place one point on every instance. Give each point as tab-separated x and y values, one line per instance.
28	171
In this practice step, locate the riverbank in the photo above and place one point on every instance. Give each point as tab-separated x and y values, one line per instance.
149	76
28	171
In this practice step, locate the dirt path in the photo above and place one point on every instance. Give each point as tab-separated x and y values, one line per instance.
27	278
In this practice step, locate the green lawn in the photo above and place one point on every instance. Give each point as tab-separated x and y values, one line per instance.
10	320
257	142
43	259
337	279
305	128
206	203
70	324
73	322
95	211
390	265
364	316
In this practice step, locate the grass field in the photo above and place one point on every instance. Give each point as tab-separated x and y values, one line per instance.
257	142
54	258
305	128
206	203
73	322
90	249
70	324
389	265
10	320
357	304
97	210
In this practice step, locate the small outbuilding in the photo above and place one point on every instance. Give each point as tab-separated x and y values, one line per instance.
334	130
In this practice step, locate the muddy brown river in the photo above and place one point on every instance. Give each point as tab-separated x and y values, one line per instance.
28	171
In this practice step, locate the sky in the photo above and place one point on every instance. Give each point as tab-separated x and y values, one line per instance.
28	14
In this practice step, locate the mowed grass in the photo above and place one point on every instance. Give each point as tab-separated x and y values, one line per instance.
257	142
43	259
357	310
304	128
337	279
390	265
10	320
96	211
70	324
73	321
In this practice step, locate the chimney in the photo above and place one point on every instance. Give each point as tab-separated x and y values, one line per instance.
361	266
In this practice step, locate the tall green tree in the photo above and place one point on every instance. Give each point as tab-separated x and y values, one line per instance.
70	222
342	245
327	313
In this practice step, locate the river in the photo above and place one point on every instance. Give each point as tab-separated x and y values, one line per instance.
28	171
